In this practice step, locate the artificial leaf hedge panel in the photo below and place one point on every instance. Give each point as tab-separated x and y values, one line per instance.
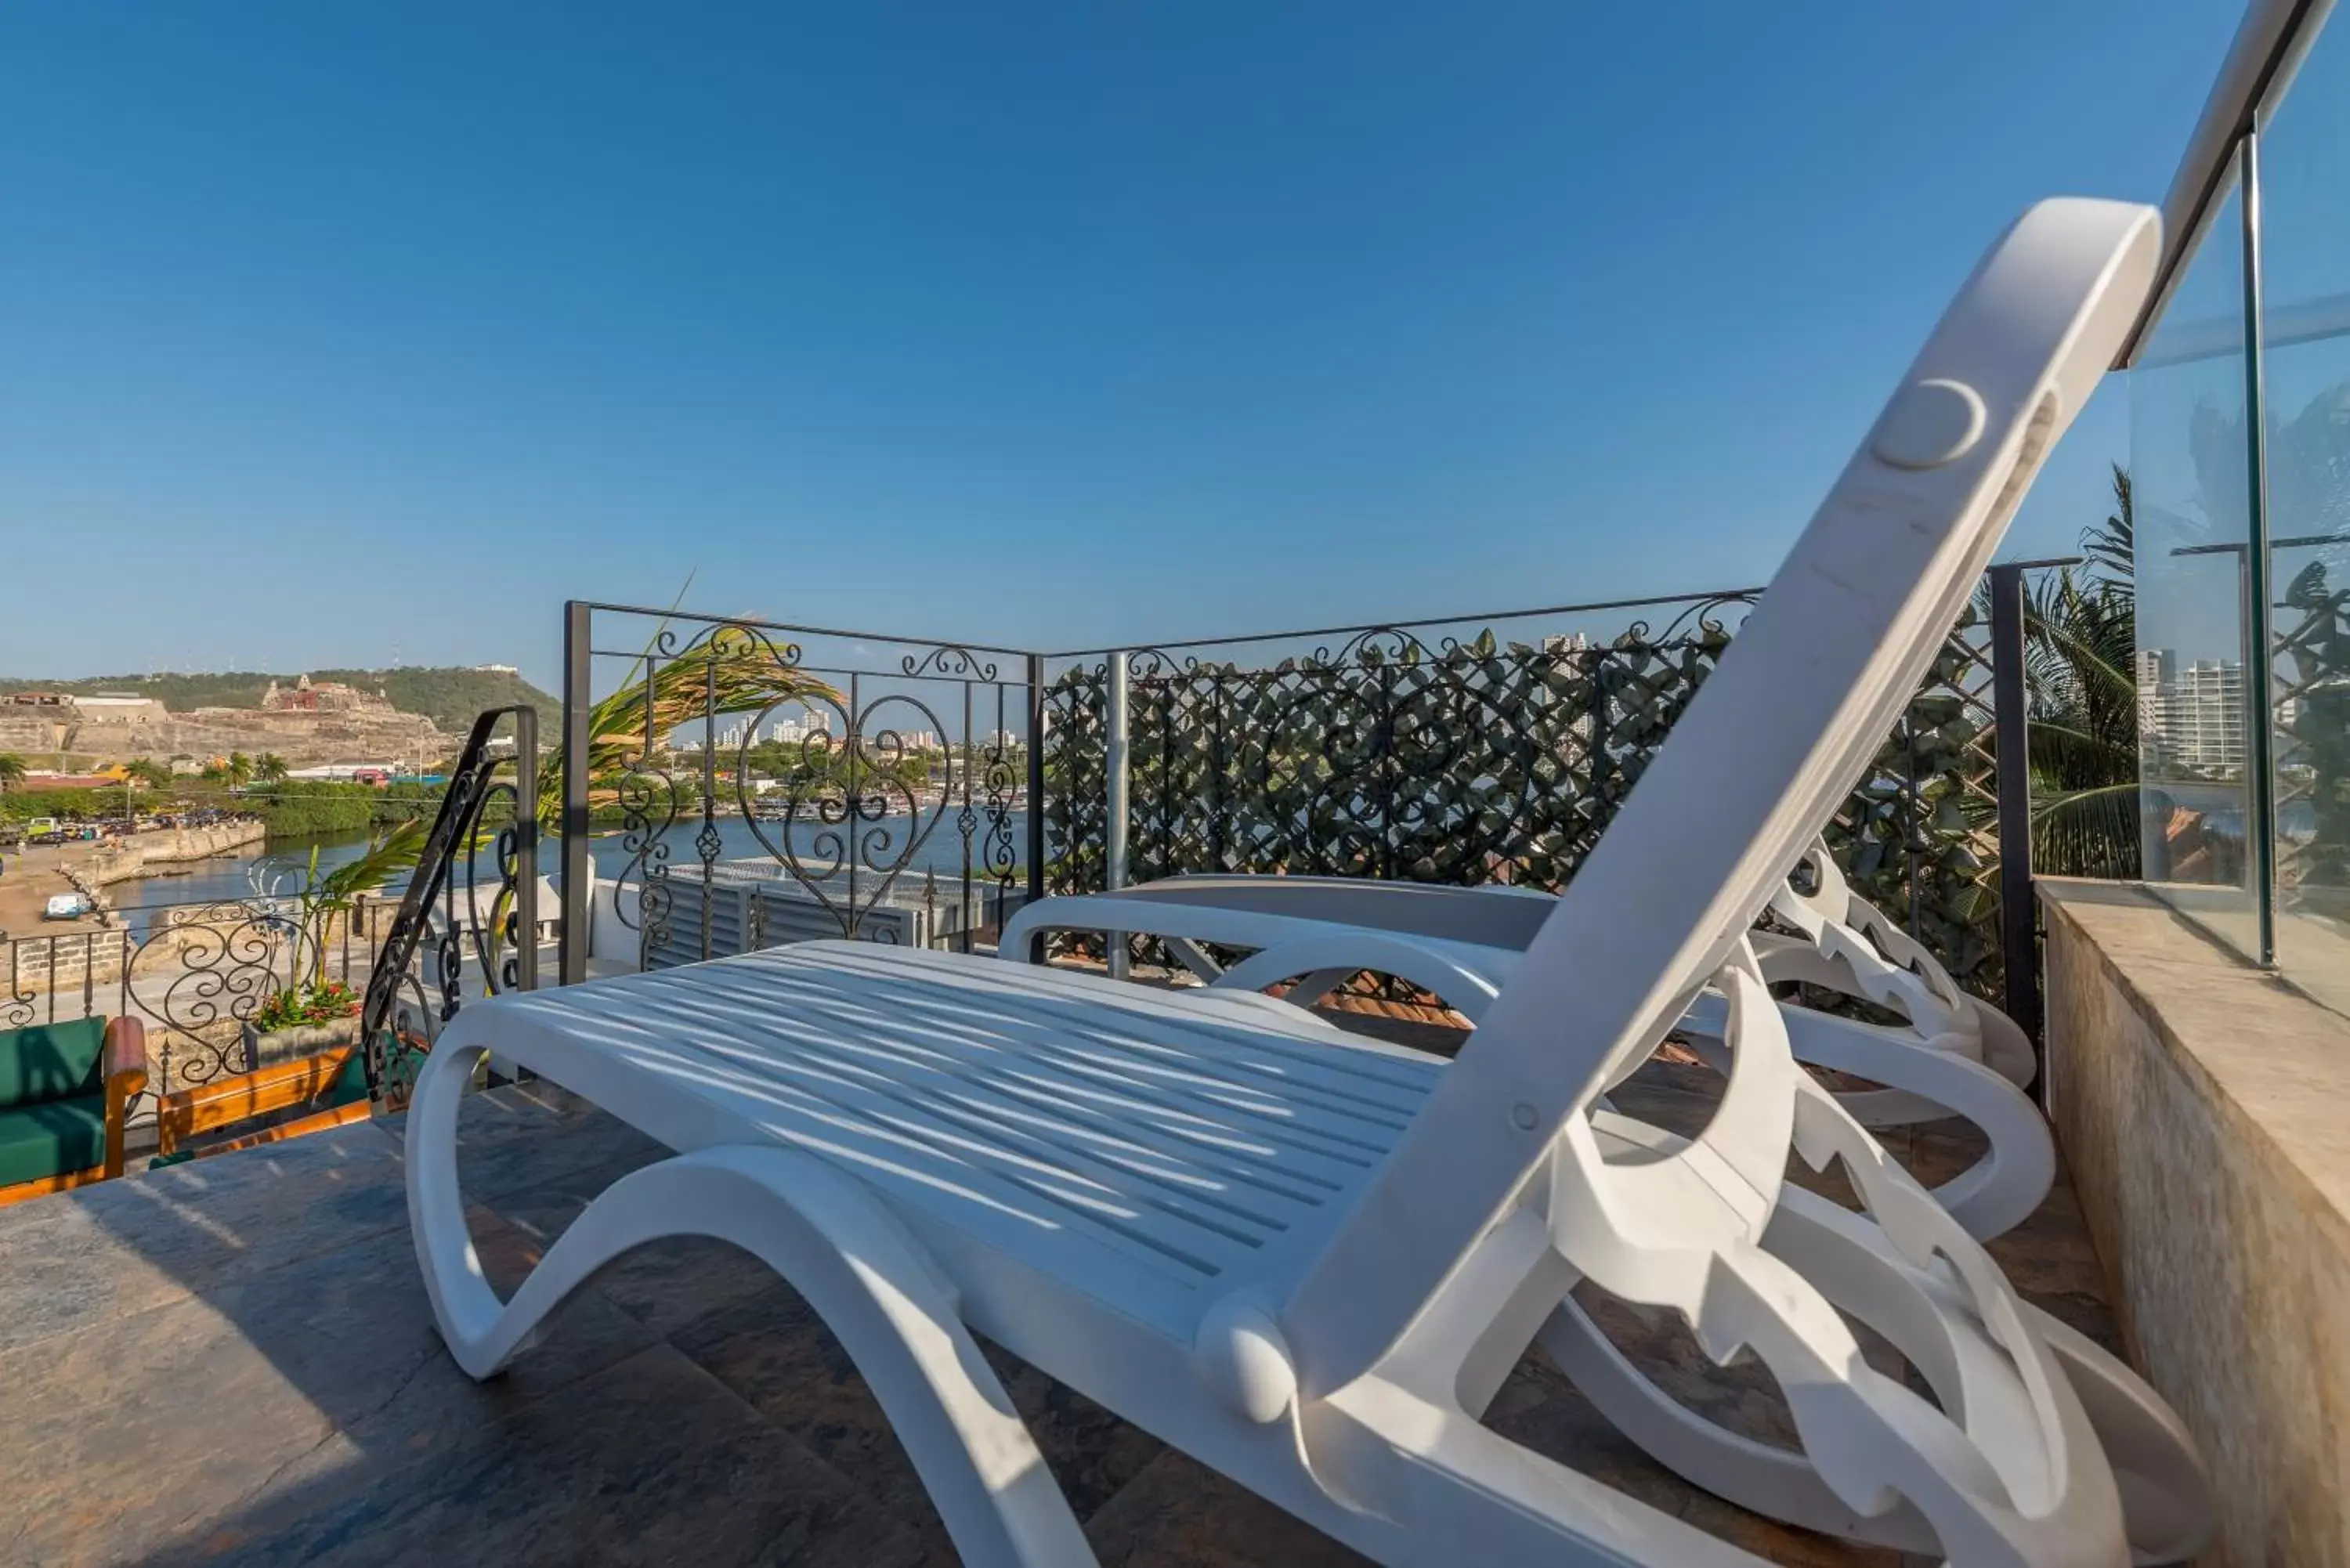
1479	761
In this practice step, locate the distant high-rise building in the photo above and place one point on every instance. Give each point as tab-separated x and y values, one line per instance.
2204	724
2154	667
787	731
2193	718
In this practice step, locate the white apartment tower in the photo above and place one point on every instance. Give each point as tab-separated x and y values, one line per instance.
2193	717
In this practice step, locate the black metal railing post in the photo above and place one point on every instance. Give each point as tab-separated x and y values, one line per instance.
578	912
525	832
452	845
1036	790
2018	919
1115	796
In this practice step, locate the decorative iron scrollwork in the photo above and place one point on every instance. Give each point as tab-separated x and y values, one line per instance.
200	975
16	1003
861	798
649	800
950	662
866	813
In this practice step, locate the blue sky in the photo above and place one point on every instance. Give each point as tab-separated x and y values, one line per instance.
336	334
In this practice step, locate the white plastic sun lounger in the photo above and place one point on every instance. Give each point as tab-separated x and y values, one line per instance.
1310	1260
1957	1056
1306	928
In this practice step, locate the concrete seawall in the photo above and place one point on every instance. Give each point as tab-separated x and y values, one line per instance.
152	849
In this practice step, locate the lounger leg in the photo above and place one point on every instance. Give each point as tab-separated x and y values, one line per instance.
2165	1495
829	1240
2005	1187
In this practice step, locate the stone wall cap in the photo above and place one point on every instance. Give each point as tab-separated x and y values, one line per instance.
2269	1060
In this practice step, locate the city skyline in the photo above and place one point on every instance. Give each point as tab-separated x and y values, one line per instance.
800	726
2193	716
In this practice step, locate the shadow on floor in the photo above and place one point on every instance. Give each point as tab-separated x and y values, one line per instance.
232	1361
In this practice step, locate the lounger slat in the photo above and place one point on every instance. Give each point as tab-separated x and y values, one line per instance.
776	1095
1065	1049
960	1095
1053	1143
937	1162
1045	1163
1147	1043
1230	1045
1326	1160
1190	1134
1155	1045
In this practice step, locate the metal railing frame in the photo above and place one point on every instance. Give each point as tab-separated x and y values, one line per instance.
2018	917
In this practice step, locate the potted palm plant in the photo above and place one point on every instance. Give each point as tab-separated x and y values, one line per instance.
310	1013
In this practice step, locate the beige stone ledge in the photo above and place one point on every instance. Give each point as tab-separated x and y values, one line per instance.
2204	1107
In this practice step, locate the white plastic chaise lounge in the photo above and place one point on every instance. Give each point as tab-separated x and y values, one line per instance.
1309	931
1956	1057
1309	1260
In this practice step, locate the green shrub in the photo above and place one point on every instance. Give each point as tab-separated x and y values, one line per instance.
306	808
69	805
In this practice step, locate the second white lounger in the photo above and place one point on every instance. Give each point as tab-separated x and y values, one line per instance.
1956	1055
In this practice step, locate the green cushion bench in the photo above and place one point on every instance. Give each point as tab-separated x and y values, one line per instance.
65	1092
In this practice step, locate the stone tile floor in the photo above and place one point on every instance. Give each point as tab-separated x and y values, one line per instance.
231	1361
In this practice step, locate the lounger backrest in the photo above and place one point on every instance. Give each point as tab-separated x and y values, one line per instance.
1803	699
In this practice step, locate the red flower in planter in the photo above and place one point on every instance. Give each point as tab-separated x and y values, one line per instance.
305	1006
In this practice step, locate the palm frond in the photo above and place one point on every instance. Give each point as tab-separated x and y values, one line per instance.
2088	832
731	669
2080	640
2112	546
2081	690
396	852
2063	758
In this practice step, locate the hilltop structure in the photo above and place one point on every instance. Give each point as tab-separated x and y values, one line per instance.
305	722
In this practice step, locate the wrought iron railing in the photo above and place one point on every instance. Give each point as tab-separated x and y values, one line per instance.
903	775
198	974
491	805
194	973
1473	749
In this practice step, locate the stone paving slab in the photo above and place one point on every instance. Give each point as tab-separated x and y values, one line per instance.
231	1361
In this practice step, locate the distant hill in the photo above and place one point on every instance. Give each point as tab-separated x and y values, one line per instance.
449	696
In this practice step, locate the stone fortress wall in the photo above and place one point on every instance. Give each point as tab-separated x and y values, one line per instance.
302	723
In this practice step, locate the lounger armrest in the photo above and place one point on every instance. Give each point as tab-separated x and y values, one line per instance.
126	1078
